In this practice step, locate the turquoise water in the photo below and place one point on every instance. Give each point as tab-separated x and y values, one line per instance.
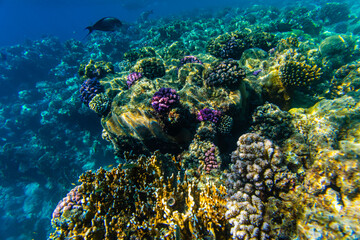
257	100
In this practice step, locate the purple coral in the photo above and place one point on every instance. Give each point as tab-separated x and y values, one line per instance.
188	59
89	89
164	99
133	77
71	201
210	159
208	114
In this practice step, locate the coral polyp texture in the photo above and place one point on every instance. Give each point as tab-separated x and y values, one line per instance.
100	103
89	89
295	74
225	73
165	99
150	67
207	114
253	176
133	77
137	201
188	59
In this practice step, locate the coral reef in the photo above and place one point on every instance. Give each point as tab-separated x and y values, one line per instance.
298	74
100	103
89	89
269	121
135	200
165	99
208	114
334	12
133	77
225	73
150	67
95	69
255	174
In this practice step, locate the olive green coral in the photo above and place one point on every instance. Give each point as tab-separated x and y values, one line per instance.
100	103
150	67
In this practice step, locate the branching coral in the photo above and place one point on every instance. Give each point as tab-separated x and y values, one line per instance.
137	201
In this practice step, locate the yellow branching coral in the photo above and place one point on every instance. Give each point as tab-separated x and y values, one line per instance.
136	200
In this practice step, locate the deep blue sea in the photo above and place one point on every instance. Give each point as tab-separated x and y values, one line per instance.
257	97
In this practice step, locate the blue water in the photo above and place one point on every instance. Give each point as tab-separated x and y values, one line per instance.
47	136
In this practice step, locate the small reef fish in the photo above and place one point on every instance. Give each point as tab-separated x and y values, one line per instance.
106	24
128	165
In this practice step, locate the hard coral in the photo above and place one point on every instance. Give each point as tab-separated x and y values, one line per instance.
208	114
150	67
299	74
133	77
251	180
137	201
164	99
188	59
95	69
226	73
100	104
89	89
268	120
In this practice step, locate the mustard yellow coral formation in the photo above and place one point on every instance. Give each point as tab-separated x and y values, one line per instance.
137	200
296	74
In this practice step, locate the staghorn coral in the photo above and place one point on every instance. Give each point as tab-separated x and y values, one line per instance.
138	201
150	67
255	174
268	120
95	69
225	73
89	89
295	74
100	103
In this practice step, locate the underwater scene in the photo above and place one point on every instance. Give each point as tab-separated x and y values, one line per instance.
206	120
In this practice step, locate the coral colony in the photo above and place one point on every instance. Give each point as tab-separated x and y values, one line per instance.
214	126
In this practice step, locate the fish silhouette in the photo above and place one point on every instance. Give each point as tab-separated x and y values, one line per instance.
106	24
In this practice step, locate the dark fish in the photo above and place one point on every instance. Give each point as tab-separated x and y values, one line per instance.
106	24
3	56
